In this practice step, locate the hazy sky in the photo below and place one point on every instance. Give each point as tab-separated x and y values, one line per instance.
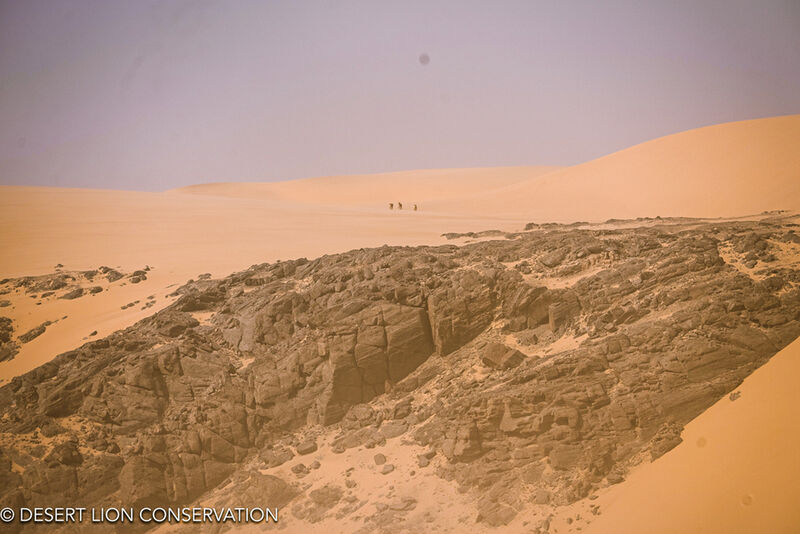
136	94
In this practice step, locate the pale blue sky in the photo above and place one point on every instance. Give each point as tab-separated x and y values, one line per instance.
153	95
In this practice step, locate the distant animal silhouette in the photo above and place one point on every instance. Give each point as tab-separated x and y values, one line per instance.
399	205
391	205
415	207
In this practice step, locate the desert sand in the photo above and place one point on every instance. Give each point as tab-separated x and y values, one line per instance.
725	171
367	190
719	171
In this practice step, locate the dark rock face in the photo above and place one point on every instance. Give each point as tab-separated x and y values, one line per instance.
34	332
375	347
8	348
73	294
461	308
654	327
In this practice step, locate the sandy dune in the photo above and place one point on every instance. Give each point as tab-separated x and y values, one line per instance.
719	171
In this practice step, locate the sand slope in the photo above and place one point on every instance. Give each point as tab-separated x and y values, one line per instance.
718	171
736	471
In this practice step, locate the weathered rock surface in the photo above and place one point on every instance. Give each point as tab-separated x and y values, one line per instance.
63	284
499	356
33	333
8	348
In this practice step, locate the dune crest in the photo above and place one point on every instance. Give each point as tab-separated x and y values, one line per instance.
724	170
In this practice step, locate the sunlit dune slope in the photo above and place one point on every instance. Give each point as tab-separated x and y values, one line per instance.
718	171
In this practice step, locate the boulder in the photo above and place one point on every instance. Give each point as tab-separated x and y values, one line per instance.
306	447
499	356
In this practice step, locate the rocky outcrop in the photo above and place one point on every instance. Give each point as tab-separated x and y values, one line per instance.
8	348
73	294
645	329
34	332
67	285
375	348
461	308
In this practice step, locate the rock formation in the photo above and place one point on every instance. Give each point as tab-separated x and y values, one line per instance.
594	347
